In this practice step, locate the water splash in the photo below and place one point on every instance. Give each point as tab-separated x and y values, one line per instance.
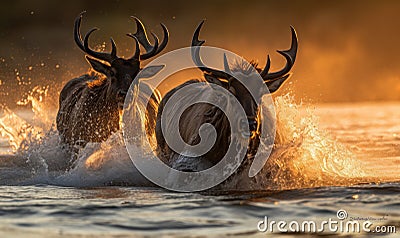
21	132
303	155
15	130
42	106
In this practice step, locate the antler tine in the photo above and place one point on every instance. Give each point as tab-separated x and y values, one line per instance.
100	55
77	31
195	39
113	49
84	45
195	52
165	39
136	55
264	72
141	35
153	50
290	56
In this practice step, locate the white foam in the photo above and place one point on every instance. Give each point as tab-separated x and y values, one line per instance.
303	156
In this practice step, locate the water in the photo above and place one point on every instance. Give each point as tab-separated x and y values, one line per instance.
327	158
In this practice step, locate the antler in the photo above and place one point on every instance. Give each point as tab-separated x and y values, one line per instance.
84	45
141	37
195	52
271	79
290	56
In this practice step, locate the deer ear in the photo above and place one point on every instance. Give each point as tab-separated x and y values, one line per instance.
98	66
150	71
276	83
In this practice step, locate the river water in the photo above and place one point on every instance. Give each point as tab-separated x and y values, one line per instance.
329	159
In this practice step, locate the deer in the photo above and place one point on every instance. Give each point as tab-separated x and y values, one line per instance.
90	105
198	114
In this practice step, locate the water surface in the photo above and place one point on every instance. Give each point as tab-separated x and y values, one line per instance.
331	157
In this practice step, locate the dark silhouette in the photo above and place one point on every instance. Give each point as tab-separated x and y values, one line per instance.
198	114
90	106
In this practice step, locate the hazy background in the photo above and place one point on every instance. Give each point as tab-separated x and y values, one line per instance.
348	50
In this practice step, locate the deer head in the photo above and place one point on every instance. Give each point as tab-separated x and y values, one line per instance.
119	71
228	77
